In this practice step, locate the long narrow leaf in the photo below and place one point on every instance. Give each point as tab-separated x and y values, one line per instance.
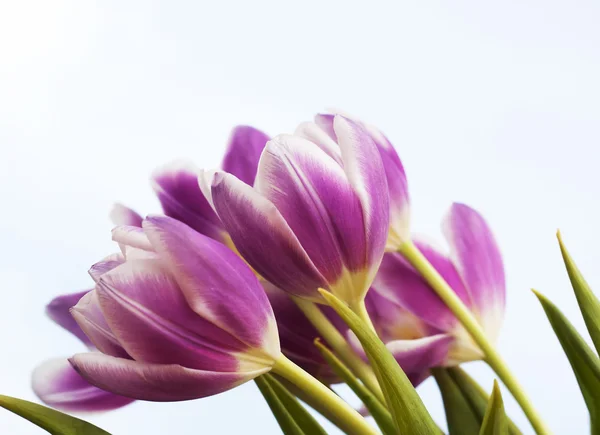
495	422
587	300
309	400
381	415
301	416
284	419
462	417
585	363
409	414
54	422
475	395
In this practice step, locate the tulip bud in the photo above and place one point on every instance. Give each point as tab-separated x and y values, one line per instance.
186	319
473	269
310	221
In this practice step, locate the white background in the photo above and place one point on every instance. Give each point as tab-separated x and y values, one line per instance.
496	105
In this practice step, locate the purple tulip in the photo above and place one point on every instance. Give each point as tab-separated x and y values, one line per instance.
473	269
322	132
312	220
176	184
182	317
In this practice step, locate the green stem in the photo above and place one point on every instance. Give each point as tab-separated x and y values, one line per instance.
338	343
464	315
360	309
382	416
354	423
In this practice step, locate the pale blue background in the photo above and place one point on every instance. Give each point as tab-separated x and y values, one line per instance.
494	105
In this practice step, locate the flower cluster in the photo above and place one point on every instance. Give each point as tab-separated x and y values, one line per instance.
229	281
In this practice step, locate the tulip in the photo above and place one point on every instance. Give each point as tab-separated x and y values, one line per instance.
176	184
311	221
182	317
474	271
322	132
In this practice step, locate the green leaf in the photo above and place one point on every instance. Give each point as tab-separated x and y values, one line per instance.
583	360
495	422
285	420
408	412
588	302
381	415
310	401
54	422
302	417
475	395
462	416
292	417
465	402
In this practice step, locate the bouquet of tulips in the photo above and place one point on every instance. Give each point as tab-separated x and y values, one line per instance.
294	267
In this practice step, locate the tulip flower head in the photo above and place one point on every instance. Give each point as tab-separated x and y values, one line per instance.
181	317
473	269
312	220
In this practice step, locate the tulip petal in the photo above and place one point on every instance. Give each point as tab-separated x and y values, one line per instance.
89	317
134	237
479	262
57	384
216	282
395	176
416	357
59	311
363	166
398	189
315	134
154	382
392	322
181	198
399	282
122	215
104	265
264	238
243	153
149	315
311	192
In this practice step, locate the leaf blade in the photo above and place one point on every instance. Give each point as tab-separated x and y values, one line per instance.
461	416
476	395
589	304
583	360
301	416
51	420
284	419
495	422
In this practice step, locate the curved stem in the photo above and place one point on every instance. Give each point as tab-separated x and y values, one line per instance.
464	315
338	343
354	423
